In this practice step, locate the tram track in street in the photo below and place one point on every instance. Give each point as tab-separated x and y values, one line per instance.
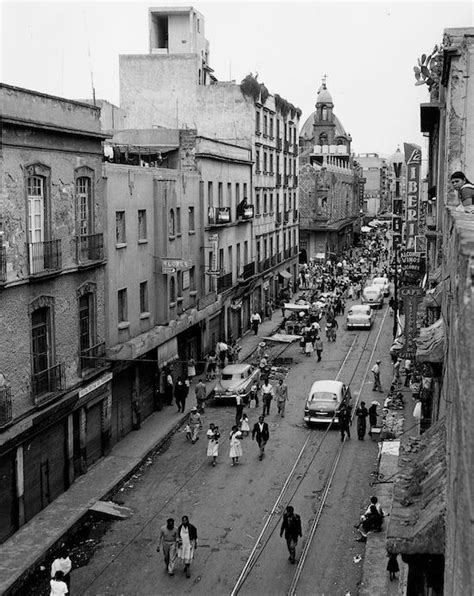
313	448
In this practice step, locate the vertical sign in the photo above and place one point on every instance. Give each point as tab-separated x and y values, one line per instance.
413	161
397	208
411	296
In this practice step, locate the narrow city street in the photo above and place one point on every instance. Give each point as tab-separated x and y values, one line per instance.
230	505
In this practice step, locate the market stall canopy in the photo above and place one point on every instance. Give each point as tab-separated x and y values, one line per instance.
366	229
285	274
296	307
430	343
419	497
285	338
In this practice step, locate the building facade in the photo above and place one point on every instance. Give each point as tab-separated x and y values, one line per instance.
375	171
54	382
185	93
331	184
434	498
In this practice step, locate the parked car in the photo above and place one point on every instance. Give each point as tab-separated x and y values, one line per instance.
325	398
383	283
236	379
373	295
360	315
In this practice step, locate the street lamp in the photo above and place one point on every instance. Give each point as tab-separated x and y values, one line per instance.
396	161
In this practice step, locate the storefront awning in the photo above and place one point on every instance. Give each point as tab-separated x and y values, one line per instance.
416	523
432	297
285	274
430	343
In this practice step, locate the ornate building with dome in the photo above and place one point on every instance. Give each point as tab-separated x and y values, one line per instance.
331	184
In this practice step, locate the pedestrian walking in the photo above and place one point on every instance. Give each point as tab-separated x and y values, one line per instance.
239	409
253	396
169	387
376	372
62	563
372	416
308	343
267	396
181	391
211	365
344	417
187	543
291	527
318	344
392	565
235	438
261	433
195	424
221	352
408	371
201	394
361	414
168	541
58	585
269	309
213	436
244	425
255	321
281	397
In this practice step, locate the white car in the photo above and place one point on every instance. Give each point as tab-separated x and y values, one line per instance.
360	315
373	295
383	283
236	379
325	398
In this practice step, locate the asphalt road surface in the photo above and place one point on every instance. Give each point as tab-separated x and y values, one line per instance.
231	505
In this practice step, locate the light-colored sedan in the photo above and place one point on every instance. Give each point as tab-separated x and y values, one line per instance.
324	400
373	296
360	315
383	283
236	379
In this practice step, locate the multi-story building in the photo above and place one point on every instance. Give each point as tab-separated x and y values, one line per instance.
173	86
330	184
180	257
430	522
54	384
376	187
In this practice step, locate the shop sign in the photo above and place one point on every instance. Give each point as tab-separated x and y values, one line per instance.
185	279
175	264
95	385
413	161
412	296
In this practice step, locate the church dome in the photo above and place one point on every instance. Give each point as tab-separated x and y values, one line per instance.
323	95
306	131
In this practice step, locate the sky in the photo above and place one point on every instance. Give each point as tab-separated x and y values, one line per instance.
366	49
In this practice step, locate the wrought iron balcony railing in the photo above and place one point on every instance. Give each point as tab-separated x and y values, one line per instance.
93	357
224	282
49	380
44	256
90	248
249	270
218	216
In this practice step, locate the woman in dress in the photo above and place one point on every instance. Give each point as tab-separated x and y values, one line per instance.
235	445
244	425
187	543
213	436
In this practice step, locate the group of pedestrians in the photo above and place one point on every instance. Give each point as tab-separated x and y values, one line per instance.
178	543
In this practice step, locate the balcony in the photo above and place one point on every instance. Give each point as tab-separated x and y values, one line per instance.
90	248
3	265
278	218
278	180
249	270
286	217
218	216
279	257
273	260
285	180
245	213
295	215
92	358
286	146
279	144
224	282
50	380
287	253
5	405
44	257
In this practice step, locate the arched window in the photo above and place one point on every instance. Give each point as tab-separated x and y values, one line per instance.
172	290
324	113
84	204
172	223
323	139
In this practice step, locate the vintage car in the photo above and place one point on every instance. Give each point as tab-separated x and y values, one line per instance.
325	398
236	379
373	295
360	315
383	283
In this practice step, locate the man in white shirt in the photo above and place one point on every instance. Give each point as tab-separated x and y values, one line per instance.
267	396
255	321
62	563
376	372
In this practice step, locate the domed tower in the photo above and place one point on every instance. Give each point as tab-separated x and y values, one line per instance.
324	125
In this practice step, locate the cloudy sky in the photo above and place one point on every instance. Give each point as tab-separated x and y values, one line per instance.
367	50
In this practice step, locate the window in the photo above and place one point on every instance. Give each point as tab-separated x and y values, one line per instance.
144	297
172	290
257	201
122	303
237	193
221	260
271	163
264	162
171	223
265	203
257	161
40	340
257	123
191	219
179	277
178	220
142	224
229	194
271	202
259	252
36	208
270	132
120	232
83	193
246	252
86	327
210	195
245	191
211	267
220	195
238	263
229	259
265	125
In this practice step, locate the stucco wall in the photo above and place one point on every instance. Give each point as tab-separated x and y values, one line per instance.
457	394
